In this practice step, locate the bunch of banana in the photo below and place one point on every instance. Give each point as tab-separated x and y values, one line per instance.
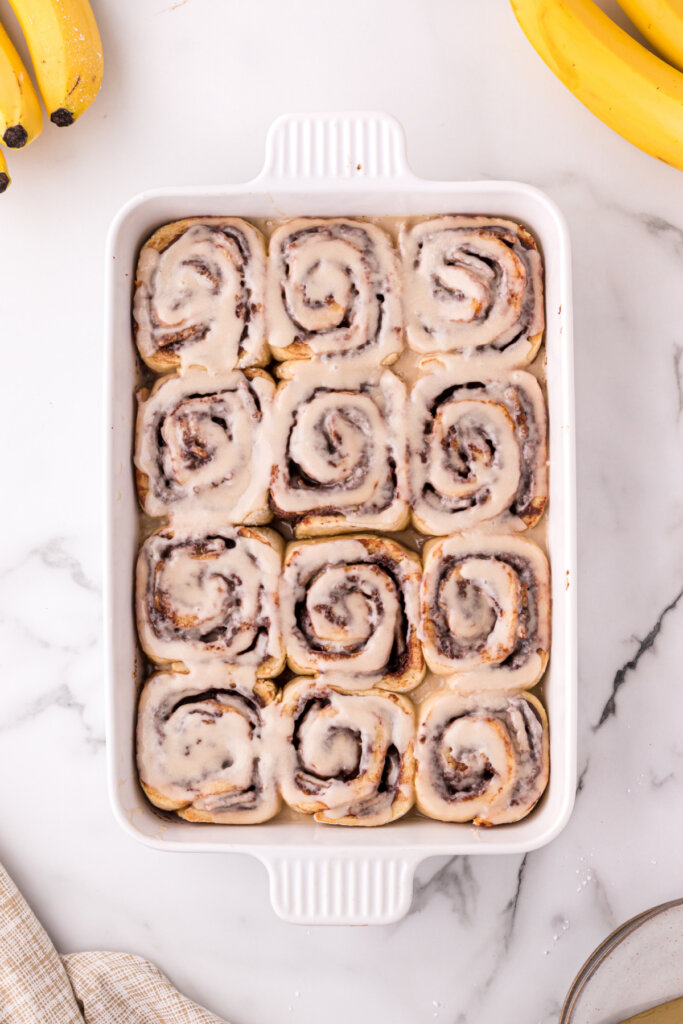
635	92
661	22
66	52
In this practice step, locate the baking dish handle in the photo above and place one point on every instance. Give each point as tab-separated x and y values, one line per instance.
341	147
323	889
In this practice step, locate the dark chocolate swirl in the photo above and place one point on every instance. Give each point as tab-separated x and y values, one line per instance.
202	447
199	296
347	758
479	451
349	608
341	451
485	610
481	758
211	596
333	292
204	748
473	287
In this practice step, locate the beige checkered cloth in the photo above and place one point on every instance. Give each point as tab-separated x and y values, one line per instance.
37	985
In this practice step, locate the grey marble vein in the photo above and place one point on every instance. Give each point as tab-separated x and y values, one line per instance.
456	882
54	555
582	777
659	226
622	673
678	372
510	911
60	696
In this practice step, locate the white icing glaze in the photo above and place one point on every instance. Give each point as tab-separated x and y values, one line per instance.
211	596
333	291
473	286
478	450
199	301
203	442
204	747
340	449
480	758
485	611
347	758
349	609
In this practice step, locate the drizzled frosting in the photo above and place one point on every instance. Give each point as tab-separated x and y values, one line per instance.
205	745
219	743
340	450
485	611
203	448
346	758
473	286
349	609
210	596
333	291
199	297
480	758
478	450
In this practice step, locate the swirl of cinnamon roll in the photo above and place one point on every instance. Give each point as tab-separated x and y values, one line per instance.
340	451
479	451
346	758
204	748
481	759
473	286
199	296
485	611
333	291
349	608
202	447
211	595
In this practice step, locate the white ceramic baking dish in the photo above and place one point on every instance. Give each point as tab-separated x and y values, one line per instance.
326	164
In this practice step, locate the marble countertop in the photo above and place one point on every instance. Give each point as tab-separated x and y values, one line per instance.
190	89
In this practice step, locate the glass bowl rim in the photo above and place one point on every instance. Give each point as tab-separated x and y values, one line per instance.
601	952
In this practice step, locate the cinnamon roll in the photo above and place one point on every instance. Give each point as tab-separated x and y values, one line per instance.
199	296
481	759
340	451
346	758
333	291
473	286
349	608
202	447
479	451
211	595
203	745
485	611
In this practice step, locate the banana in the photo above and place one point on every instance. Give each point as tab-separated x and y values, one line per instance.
66	51
661	22
21	118
5	179
626	86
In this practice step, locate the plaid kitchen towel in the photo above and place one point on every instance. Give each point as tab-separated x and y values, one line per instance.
37	985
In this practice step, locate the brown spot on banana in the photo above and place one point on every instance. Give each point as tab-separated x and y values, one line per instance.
4	181
62	117
15	136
